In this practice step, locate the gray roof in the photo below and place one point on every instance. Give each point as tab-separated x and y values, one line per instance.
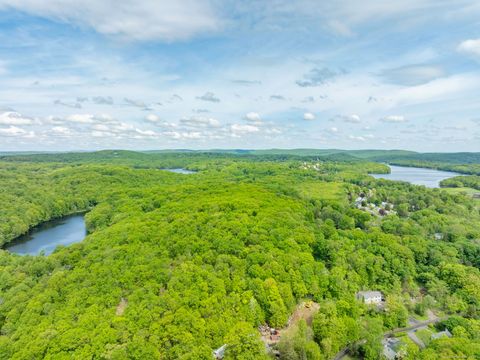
441	334
369	294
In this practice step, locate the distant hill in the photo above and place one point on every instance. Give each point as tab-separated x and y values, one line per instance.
401	157
381	155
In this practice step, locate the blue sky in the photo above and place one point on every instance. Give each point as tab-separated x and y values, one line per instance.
202	74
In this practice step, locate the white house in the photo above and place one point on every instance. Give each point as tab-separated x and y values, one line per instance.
442	334
220	352
370	297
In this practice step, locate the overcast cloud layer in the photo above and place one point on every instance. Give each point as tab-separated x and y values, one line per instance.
150	74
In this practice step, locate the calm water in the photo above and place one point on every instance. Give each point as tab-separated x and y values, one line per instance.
181	171
417	176
48	236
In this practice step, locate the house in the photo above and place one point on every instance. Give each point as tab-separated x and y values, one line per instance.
370	297
438	236
220	352
442	334
390	348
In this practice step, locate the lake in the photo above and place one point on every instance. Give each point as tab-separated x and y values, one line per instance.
418	176
181	171
47	236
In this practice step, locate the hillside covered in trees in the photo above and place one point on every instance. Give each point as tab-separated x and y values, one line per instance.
175	266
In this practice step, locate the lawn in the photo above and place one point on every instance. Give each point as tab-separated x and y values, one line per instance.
462	190
425	335
321	190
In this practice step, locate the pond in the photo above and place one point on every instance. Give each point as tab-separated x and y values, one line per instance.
417	176
181	171
47	236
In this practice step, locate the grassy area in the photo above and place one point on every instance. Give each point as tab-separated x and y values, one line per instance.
321	190
407	341
425	335
463	190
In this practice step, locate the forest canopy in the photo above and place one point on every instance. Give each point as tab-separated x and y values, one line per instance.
202	260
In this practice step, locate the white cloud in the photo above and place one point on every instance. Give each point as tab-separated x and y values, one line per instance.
411	75
3	67
340	28
354	119
129	19
14	131
186	135
100	134
86	118
440	90
242	129
333	130
199	121
14	118
102	100
394	119
152	118
80	118
209	96
308	116
356	138
273	131
61	131
136	103
100	127
74	105
470	47
253	117
147	133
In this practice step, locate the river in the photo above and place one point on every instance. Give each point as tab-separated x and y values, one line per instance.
47	236
418	176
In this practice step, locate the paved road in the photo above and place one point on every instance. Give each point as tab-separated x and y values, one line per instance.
342	353
416	339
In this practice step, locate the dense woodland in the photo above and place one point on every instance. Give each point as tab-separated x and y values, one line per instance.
198	261
472	182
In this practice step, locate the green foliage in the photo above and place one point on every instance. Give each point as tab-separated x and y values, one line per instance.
244	343
462	181
202	260
298	344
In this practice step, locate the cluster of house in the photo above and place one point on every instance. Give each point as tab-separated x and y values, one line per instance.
307	166
392	347
383	209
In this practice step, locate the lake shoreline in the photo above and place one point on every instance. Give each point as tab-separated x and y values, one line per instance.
430	178
34	241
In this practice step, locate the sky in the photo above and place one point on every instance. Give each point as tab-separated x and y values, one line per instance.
251	74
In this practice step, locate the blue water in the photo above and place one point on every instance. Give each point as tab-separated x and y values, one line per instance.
181	171
418	176
49	235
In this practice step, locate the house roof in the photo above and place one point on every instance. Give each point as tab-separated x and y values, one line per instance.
441	334
369	294
220	352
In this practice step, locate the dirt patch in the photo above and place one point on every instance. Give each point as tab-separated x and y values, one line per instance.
122	305
304	311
